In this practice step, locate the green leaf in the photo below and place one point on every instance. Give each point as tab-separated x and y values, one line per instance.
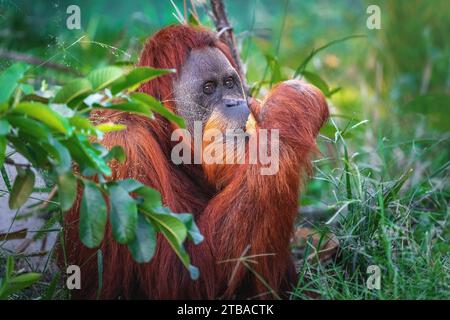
170	225
78	102
193	231
86	165
175	233
173	229
3	143
93	215
275	68
22	188
72	90
39	158
9	267
3	106
158	107
59	155
22	148
129	185
301	68
9	79
110	127
117	153
143	246
88	154
44	114
100	273
4	127
29	126
101	78
83	125
26	88
333	91
316	80
192	20
5	176
20	282
123	214
393	190
67	190
25	280
193	272
151	198
51	289
124	63
134	107
137	76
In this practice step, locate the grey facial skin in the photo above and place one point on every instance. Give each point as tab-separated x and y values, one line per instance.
208	85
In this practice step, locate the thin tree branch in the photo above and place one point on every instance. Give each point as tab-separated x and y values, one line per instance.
194	11
18	56
11	162
225	33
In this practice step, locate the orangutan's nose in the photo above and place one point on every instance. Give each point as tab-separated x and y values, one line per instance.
235	103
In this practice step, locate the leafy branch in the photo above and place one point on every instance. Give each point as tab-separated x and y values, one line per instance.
54	134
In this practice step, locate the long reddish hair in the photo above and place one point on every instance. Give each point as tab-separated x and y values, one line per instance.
250	211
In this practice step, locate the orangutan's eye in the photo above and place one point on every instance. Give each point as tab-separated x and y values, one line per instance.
209	87
229	83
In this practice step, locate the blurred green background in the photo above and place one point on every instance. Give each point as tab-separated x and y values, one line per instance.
408	57
389	131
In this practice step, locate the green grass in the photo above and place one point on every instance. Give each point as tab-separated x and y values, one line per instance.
390	209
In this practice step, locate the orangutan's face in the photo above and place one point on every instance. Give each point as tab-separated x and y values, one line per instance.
208	87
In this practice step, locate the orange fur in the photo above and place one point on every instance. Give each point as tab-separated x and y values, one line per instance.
248	211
